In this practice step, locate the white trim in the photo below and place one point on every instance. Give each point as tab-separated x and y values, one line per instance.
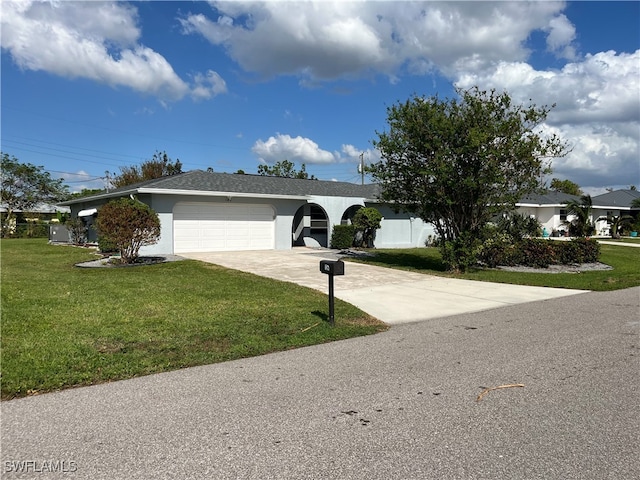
228	195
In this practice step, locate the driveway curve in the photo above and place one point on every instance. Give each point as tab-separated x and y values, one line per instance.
393	296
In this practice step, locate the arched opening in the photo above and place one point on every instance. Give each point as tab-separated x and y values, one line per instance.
349	213
310	226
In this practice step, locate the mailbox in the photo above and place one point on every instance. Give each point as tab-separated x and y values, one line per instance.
332	267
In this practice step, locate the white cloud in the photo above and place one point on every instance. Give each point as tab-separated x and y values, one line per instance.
562	33
295	149
597	111
93	40
327	40
208	86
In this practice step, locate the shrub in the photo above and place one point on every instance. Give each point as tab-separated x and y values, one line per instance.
579	250
77	230
367	220
519	226
342	236
461	253
498	249
536	253
129	224
106	246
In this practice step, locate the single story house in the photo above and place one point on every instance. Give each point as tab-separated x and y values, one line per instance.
615	203
205	211
550	208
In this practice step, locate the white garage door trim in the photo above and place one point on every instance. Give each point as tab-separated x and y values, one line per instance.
216	227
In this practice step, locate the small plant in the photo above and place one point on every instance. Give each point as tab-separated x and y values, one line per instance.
128	224
77	231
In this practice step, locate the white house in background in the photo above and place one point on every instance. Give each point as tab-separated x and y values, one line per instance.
205	211
551	211
610	204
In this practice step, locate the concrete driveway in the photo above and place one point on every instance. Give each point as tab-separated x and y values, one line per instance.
393	296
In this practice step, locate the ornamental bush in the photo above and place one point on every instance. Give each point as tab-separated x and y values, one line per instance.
535	252
367	220
342	236
128	224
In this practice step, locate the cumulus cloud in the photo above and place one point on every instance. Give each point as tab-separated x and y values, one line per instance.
295	149
93	40
597	111
327	40
561	34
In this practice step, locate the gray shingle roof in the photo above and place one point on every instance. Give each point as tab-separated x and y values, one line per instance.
617	198
548	198
200	181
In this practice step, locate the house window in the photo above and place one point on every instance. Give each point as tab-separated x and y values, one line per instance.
563	215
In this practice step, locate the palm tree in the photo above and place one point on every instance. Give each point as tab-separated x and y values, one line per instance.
581	225
616	222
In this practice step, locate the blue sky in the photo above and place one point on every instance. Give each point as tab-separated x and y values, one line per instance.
89	87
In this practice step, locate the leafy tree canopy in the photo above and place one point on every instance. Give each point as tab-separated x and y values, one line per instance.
285	169
457	163
159	166
24	186
85	192
566	186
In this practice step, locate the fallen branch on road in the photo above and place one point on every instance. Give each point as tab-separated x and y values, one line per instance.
487	390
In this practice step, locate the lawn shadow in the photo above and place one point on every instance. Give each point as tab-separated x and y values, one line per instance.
407	260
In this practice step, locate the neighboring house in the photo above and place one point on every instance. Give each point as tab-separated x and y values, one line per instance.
612	204
550	209
41	213
205	211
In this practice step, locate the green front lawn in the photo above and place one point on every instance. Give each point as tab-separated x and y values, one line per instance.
624	260
65	326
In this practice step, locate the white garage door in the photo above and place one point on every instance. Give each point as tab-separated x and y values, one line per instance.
207	227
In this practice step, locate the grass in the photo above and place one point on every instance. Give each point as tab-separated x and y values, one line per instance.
64	326
624	260
623	240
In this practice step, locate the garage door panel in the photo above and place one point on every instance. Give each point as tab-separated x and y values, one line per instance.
201	227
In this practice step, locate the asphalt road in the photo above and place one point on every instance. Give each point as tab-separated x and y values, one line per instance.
397	405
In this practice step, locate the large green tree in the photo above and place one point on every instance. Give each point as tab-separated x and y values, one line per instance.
565	186
160	165
24	186
456	163
286	169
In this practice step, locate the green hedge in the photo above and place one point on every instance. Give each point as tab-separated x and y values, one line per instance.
342	236
535	252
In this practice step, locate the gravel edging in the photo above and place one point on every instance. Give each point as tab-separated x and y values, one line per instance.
572	268
144	260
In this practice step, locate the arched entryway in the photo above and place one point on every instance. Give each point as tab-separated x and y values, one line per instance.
349	213
310	226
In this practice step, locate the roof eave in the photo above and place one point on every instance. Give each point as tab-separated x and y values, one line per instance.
209	193
100	196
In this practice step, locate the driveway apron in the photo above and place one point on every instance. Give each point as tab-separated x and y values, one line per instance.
393	296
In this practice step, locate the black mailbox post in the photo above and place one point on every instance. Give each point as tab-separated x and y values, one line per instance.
331	268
